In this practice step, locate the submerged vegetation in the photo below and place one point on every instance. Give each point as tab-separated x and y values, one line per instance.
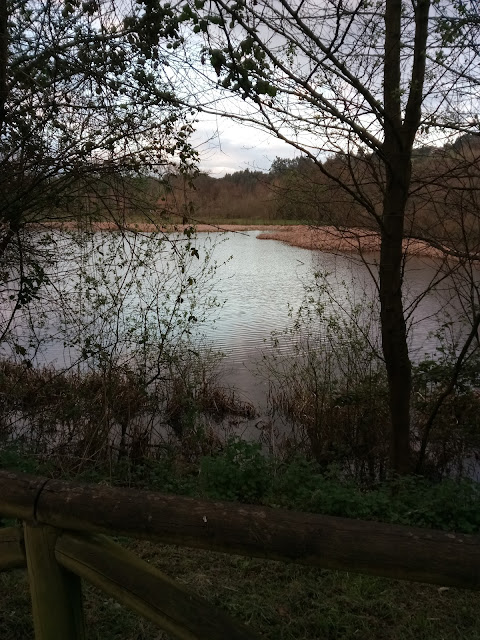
80	420
330	401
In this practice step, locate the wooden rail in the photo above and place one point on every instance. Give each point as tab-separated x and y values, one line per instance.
60	545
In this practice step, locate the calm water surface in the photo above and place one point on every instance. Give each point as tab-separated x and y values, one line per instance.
263	281
262	286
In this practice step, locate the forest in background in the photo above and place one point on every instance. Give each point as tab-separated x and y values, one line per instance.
442	208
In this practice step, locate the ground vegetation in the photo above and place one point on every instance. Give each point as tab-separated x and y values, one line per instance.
274	599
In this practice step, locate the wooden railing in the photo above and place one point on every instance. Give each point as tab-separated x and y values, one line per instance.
59	543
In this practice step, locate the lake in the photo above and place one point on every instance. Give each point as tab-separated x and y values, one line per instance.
260	285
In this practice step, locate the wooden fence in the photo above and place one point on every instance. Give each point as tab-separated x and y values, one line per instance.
60	543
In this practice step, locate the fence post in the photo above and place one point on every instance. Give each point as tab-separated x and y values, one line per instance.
12	553
56	593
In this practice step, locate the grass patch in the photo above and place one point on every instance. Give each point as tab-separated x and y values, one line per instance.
277	600
240	472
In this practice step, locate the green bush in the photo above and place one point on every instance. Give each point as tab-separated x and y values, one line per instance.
14	458
240	472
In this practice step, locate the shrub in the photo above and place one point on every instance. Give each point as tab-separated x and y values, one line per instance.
240	472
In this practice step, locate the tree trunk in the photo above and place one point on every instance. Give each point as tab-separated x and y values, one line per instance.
396	153
3	59
393	326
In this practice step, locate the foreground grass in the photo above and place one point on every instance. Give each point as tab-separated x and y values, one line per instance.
278	601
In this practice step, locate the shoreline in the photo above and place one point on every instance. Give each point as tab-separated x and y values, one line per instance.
348	240
150	227
328	238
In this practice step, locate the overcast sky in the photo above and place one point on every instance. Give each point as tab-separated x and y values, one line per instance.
226	146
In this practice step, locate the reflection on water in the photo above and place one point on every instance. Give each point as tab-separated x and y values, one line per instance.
264	279
258	282
262	285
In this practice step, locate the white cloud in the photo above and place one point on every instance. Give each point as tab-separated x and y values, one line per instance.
226	146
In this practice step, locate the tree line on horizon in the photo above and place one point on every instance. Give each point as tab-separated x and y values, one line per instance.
441	210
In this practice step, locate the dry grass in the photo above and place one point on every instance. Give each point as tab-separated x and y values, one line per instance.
150	227
344	240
